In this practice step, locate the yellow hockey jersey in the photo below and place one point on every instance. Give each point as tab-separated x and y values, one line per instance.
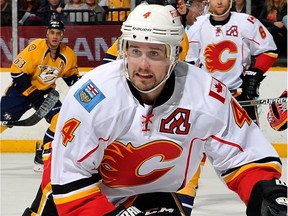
36	61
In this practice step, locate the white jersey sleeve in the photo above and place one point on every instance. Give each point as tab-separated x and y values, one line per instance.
255	35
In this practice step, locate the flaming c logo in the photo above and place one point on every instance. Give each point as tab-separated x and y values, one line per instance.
214	56
124	165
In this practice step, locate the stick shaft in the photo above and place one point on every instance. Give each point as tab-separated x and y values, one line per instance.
263	101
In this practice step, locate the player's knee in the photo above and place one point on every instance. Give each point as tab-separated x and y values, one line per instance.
53	112
53	123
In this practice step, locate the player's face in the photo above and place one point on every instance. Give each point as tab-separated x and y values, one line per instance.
54	37
219	7
147	64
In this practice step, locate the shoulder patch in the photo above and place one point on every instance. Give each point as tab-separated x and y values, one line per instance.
32	47
89	95
218	90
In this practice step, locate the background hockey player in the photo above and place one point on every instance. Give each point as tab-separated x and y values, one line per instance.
34	72
165	115
224	43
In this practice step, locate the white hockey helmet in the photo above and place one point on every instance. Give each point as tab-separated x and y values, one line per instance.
151	23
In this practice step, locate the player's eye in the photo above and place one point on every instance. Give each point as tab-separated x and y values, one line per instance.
57	33
133	52
154	55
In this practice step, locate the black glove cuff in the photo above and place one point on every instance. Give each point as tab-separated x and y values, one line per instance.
267	195
251	82
259	75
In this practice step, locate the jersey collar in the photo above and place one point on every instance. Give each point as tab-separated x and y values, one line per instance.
223	22
163	97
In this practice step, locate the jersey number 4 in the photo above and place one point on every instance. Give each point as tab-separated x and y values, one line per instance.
240	114
68	131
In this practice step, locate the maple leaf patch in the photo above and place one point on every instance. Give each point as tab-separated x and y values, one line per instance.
218	90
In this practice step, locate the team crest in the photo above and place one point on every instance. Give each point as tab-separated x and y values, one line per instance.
214	54
48	74
89	95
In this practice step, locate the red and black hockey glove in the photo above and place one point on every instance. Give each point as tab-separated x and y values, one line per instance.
251	82
268	198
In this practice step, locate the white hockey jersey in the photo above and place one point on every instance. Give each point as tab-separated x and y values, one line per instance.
104	128
225	50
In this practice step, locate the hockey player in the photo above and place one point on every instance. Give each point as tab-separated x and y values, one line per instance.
141	125
224	43
43	203
188	11
34	73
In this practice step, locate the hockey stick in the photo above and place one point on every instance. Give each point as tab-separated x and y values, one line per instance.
263	101
41	112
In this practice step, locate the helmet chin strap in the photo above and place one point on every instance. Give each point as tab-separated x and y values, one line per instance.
226	12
